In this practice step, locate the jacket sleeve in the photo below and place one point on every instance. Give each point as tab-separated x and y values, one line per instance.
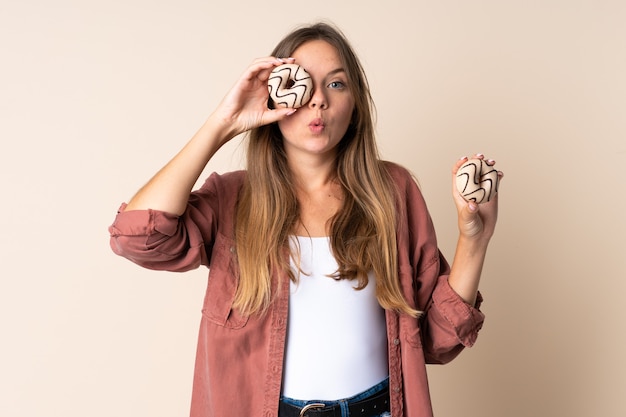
162	241
448	324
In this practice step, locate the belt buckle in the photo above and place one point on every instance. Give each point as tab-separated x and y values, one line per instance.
310	407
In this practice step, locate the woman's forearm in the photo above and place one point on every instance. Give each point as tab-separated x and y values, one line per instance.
467	267
169	189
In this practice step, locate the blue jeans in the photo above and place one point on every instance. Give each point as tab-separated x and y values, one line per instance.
344	403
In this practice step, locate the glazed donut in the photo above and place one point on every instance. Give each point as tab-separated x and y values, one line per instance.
290	85
477	181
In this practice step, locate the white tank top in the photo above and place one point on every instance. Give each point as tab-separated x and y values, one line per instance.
336	336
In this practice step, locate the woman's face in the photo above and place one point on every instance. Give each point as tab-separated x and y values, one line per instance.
317	127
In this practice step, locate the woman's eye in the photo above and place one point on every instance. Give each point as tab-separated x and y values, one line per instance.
336	85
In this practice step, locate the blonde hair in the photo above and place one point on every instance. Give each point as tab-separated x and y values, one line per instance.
362	232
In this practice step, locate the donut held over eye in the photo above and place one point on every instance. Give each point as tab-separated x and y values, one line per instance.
477	181
290	85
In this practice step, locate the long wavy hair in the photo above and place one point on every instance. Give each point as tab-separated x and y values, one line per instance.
362	232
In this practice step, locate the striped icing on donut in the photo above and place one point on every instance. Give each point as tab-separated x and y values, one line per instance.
477	181
290	85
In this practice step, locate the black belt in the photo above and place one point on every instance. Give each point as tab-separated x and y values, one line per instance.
371	406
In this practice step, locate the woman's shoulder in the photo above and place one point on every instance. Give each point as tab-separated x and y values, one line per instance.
220	182
230	177
407	186
401	175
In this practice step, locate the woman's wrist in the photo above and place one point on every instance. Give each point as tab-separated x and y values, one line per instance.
219	129
472	245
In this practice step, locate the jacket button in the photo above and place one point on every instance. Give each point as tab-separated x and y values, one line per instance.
396	341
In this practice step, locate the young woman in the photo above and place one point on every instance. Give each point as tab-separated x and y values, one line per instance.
327	293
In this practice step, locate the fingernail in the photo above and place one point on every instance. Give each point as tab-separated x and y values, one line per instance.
472	206
292	112
480	155
462	158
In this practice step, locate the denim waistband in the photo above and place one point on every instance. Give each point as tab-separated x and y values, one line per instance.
344	403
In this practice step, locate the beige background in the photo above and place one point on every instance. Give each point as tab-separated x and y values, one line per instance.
96	96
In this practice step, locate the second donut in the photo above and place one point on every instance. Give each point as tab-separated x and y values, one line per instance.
477	181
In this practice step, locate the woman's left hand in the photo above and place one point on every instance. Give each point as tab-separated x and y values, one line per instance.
476	221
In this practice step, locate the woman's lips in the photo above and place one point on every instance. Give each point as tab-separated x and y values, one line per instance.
316	125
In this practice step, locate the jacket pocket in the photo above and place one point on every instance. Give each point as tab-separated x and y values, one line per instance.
222	286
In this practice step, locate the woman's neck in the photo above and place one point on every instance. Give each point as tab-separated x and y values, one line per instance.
320	197
313	174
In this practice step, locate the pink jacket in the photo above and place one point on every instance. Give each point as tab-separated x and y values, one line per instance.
239	359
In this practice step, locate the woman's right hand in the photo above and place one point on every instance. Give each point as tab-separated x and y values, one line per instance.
246	105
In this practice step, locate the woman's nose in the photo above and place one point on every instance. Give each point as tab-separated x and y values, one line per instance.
318	100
